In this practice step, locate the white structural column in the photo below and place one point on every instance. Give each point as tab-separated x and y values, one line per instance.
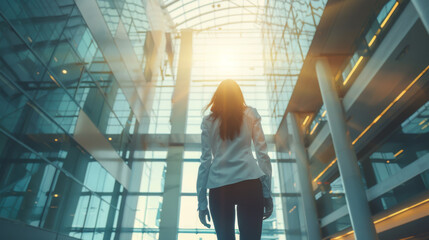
422	8
302	162
355	194
173	177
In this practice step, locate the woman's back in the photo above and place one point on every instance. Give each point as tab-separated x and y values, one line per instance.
233	160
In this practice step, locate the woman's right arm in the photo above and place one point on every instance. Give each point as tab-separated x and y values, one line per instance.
203	170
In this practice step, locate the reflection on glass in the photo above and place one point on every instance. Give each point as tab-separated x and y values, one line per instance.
336	226
329	196
401	147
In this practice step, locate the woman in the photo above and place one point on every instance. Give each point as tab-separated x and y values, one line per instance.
232	174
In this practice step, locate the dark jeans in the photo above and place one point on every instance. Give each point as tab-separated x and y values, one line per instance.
247	195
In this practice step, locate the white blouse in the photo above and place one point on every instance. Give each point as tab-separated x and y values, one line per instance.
231	161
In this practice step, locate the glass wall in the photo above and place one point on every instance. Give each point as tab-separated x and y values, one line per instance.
148	199
132	14
51	69
395	159
287	33
401	148
290	197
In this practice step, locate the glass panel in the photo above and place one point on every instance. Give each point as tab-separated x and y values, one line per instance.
145	236
406	191
199	236
153	176
189	177
25	186
329	196
336	226
148	212
401	147
189	215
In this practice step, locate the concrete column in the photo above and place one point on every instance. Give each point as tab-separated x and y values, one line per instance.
173	177
302	162
355	194
422	8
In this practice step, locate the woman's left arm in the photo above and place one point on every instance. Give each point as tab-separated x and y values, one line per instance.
264	161
203	170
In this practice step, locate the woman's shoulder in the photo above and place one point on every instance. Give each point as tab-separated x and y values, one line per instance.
207	119
249	108
251	111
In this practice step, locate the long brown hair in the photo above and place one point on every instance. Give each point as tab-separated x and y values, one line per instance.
228	104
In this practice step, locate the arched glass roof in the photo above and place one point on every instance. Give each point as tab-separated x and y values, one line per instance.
213	14
294	15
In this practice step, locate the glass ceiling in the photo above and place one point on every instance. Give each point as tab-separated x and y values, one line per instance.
211	14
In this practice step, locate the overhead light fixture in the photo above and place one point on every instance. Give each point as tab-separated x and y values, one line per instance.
398	153
314	128
410	237
55	81
324	170
389	15
353	70
372	41
305	120
64	71
110	139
